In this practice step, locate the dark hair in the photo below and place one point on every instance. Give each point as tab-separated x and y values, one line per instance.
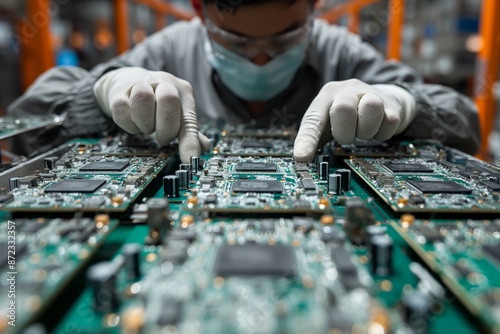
234	4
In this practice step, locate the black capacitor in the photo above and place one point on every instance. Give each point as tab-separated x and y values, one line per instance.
157	211
324	168
50	162
357	217
334	184
102	278
321	158
345	178
183	176
416	308
13	183
372	231
381	255
171	186
158	217
131	253
195	163
188	168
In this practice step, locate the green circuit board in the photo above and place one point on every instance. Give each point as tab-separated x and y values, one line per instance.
429	185
205	278
104	176
466	255
255	242
270	185
39	257
13	126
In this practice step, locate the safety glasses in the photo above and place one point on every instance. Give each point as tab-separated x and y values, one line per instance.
250	47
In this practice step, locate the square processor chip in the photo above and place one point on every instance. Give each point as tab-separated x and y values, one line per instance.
256	260
256	167
75	186
439	187
105	166
257	186
407	168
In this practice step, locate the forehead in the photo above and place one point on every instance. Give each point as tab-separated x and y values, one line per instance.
262	20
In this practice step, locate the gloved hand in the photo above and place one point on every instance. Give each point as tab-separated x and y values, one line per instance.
354	109
142	101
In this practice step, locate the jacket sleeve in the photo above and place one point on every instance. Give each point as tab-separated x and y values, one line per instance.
442	113
68	91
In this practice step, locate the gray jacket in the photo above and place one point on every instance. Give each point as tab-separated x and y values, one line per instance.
333	55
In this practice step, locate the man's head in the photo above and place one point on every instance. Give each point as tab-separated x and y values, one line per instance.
255	19
256	47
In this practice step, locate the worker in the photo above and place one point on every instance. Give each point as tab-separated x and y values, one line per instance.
269	62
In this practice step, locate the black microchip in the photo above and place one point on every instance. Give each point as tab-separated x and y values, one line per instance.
343	262
462	271
332	234
182	234
416	199
267	226
105	166
171	312
211	199
407	168
493	251
492	185
439	187
257	186
308	184
301	204
257	144
431	234
256	260
175	255
75	186
255	167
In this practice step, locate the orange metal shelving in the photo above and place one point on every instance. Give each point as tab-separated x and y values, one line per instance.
487	70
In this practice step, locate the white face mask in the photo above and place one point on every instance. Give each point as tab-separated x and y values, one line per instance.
252	82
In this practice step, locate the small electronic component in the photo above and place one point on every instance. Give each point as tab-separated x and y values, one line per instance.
439	187
102	278
171	186
105	166
493	251
381	255
257	186
75	186
408	168
255	167
255	260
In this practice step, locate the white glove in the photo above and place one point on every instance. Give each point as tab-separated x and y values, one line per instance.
354	109
142	101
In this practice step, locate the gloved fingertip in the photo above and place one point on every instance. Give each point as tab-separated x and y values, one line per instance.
301	154
189	147
204	142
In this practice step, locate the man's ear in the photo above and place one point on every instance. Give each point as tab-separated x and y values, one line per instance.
197	5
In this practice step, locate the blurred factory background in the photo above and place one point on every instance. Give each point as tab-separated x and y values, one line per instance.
441	39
